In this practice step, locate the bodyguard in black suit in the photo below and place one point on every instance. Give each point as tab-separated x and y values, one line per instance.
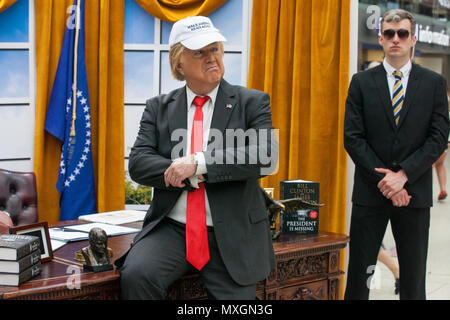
396	126
239	241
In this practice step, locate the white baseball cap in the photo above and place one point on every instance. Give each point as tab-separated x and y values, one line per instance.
195	33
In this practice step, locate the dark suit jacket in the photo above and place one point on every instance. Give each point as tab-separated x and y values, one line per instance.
238	210
373	140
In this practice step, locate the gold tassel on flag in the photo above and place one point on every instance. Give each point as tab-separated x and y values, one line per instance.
75	65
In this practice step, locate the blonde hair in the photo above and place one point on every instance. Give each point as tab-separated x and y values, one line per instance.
175	56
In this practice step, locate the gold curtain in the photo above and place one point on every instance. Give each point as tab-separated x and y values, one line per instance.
174	10
104	22
5	4
299	54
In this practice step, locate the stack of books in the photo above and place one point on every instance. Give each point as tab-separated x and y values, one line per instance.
20	258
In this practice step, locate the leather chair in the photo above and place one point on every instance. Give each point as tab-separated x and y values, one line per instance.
18	196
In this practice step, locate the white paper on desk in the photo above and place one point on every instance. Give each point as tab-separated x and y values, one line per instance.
60	234
115	217
110	229
56	244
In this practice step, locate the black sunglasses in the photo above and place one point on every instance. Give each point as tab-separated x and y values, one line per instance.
403	34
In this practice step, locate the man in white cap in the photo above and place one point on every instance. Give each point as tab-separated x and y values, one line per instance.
208	213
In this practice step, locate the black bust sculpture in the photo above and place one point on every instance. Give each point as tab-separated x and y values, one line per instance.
96	254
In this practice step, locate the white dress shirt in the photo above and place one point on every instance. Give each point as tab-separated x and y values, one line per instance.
405	70
178	212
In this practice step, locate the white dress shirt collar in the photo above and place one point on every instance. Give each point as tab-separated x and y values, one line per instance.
405	70
190	95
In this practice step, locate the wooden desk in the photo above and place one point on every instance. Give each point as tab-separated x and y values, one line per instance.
307	268
64	278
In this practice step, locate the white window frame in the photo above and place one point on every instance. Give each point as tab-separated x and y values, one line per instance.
25	163
157	48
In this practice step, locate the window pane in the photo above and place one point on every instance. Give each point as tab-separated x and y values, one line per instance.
14	73
139	25
233	67
228	19
133	115
138	75
168	83
17	165
16	122
165	31
14	23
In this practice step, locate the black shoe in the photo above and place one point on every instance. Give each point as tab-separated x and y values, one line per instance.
397	286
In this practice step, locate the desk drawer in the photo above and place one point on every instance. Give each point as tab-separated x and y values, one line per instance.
317	290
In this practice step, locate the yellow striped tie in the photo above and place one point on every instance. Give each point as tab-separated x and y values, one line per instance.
398	96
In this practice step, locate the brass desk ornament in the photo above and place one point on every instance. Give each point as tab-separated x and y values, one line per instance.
275	207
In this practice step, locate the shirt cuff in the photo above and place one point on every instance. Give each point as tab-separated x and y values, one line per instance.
194	180
201	163
201	169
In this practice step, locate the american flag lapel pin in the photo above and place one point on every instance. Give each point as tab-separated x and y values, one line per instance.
228	106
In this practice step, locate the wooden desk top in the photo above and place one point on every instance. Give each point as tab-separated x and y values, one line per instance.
287	242
59	274
62	270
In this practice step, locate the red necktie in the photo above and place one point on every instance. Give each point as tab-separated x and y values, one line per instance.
197	249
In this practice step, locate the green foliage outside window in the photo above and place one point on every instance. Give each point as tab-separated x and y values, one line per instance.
136	194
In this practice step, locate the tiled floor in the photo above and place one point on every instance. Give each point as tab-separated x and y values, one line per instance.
438	266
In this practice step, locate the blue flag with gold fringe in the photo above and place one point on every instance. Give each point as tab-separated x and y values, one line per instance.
69	119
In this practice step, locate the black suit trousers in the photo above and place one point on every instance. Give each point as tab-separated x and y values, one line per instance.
159	259
410	228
